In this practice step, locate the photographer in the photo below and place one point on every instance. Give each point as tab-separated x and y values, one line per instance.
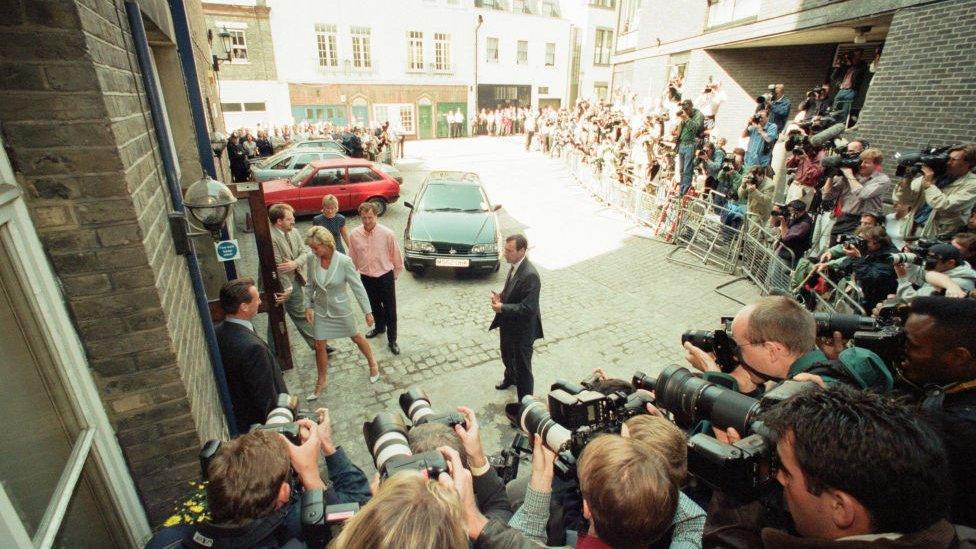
756	192
808	172
689	131
869	260
762	136
944	259
940	362
249	495
730	174
941	203
488	486
777	340
711	156
857	470
629	499
779	108
795	231
857	195
849	73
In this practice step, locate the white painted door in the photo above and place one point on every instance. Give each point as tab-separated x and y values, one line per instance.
63	481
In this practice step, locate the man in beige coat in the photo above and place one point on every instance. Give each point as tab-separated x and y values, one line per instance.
941	204
291	256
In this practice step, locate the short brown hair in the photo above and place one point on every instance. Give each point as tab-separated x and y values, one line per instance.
968	152
784	321
277	211
234	293
245	476
367	207
872	155
876	233
631	496
520	241
330	199
967	240
408	511
664	437
430	436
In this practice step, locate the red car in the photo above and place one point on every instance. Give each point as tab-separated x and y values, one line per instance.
352	181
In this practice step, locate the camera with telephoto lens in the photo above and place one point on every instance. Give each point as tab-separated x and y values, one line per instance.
284	416
747	468
574	416
797	142
416	405
718	342
766	97
386	439
854	241
910	163
883	334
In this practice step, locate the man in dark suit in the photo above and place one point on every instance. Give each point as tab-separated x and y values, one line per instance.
253	375
517	316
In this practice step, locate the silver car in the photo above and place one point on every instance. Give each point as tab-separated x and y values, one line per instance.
287	163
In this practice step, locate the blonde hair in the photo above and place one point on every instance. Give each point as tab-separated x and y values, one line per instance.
664	437
319	236
330	200
872	155
408	511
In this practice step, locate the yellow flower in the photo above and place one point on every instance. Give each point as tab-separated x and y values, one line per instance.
172	521
188	519
196	509
200	518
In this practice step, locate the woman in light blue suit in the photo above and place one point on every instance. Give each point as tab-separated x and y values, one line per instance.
327	304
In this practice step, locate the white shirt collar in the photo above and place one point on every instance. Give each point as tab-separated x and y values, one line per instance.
516	266
246	323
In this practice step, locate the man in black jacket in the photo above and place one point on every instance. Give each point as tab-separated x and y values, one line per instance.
517	315
253	375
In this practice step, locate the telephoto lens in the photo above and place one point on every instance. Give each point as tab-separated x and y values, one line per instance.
386	438
534	418
691	399
847	325
284	410
416	404
907	258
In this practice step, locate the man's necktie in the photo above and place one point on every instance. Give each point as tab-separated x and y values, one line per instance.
508	280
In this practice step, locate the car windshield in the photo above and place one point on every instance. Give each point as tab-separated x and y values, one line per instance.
272	160
459	198
297	179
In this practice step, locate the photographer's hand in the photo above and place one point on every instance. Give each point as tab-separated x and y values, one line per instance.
471	438
305	458
928	177
600	374
701	360
832	345
811	378
852	252
542	466
460	478
324	429
727	436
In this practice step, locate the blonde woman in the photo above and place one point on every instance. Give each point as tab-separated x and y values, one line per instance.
331	219
407	511
327	306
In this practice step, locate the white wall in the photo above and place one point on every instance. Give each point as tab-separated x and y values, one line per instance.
590	73
538	30
273	94
296	54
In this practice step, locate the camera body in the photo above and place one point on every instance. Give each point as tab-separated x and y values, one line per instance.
854	241
766	97
284	416
884	334
910	163
833	164
719	342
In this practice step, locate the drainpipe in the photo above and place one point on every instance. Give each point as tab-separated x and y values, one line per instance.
176	197
472	116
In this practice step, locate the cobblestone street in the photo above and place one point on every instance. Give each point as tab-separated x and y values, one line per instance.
609	299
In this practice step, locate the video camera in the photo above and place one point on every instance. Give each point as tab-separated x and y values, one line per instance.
576	414
746	468
386	437
833	164
910	163
766	97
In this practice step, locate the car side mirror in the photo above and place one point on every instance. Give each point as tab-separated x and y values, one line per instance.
496	207
409	205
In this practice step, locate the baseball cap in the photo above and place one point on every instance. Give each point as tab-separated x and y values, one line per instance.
945	251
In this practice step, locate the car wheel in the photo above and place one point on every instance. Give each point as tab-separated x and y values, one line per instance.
418	271
380	205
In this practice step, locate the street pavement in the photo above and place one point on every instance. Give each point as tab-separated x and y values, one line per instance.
610	299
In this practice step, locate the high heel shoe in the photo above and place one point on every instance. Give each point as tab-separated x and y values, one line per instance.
374	378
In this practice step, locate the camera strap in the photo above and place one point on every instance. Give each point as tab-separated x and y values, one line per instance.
256	533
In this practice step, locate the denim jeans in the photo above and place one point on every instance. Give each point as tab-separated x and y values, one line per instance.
686	153
843	101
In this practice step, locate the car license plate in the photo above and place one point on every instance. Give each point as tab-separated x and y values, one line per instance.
446	262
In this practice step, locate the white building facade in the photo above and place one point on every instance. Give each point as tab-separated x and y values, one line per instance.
593	35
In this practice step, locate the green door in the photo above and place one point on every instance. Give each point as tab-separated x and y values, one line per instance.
443	130
424	122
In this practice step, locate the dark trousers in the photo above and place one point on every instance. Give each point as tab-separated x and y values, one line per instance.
517	358
382	299
528	139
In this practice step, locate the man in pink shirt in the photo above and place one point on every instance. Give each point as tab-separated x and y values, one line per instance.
377	257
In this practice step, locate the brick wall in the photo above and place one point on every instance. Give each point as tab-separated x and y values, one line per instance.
331	94
260	51
924	91
80	139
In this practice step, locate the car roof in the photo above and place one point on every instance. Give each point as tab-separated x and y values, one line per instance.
453	176
341	162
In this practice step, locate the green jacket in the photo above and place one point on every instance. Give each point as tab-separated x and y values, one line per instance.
855	366
691	128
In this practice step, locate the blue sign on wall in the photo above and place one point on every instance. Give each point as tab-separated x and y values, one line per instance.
227	250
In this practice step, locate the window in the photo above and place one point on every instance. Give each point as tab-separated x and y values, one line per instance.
406	118
603	3
415	50
283	164
602	47
303	159
519	6
522	53
327	177
723	12
231	107
550	54
600	90
549	9
325	36
629	15
362	175
442	51
360	47
492	50
238	46
254	107
543	90
397	113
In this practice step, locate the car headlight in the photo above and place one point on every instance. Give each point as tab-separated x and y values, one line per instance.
418	246
485	248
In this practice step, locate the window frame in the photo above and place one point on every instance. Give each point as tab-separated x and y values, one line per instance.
442	52
733	20
367	169
488	49
238	47
327	41
522	53
361	40
550	58
602	49
415	50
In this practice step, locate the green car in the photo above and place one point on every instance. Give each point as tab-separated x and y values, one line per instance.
288	162
452	224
